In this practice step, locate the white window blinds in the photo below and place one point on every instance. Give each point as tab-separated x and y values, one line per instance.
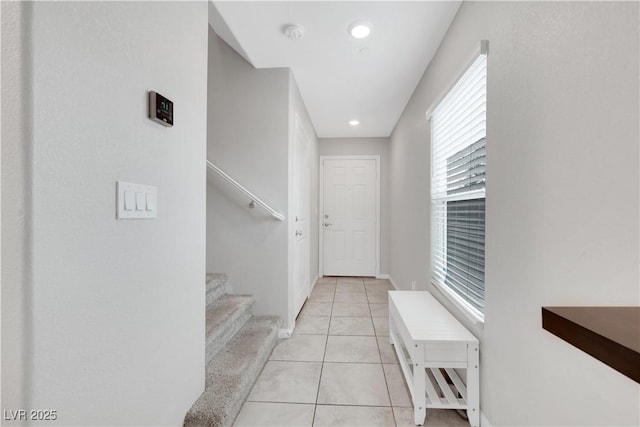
458	132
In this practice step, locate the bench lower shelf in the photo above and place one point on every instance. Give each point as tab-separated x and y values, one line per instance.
440	393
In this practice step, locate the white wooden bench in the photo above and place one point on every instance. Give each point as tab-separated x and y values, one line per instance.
429	340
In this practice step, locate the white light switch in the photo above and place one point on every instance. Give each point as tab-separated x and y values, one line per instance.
136	201
141	203
129	201
151	202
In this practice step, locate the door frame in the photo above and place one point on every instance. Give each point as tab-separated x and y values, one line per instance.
375	157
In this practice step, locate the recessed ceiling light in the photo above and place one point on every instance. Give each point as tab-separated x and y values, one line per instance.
360	29
354	123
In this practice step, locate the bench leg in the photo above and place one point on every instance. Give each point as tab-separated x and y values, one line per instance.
392	329
473	385
420	415
419	392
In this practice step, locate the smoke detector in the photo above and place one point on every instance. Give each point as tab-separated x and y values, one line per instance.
293	31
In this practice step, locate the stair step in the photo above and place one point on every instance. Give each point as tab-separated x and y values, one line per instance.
216	286
231	374
225	317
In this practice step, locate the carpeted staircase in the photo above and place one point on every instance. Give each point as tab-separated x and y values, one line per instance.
238	345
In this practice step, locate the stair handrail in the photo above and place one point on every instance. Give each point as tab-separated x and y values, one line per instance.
254	199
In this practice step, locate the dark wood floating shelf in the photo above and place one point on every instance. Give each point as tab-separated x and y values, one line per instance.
610	334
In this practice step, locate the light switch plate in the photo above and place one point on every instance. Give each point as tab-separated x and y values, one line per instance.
136	205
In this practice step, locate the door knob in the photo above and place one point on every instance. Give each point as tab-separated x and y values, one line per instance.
298	233
326	224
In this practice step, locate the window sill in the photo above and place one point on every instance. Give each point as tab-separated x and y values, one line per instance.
460	304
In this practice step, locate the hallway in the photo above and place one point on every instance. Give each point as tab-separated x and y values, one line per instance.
338	368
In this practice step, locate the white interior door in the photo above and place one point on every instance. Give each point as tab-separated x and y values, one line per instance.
349	217
302	187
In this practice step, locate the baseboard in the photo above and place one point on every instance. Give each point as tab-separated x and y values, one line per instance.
285	333
314	282
484	421
393	283
382	276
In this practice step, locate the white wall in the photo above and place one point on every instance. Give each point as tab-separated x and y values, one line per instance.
115	308
375	147
16	208
248	138
562	197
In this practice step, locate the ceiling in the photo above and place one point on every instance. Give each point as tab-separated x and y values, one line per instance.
341	78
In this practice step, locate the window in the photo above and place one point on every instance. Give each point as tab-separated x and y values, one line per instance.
458	135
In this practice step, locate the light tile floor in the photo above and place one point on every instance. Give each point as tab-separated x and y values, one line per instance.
338	368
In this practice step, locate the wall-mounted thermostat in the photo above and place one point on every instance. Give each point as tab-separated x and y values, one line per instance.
160	109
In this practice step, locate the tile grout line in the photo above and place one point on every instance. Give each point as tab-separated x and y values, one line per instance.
326	342
374	326
384	373
322	404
